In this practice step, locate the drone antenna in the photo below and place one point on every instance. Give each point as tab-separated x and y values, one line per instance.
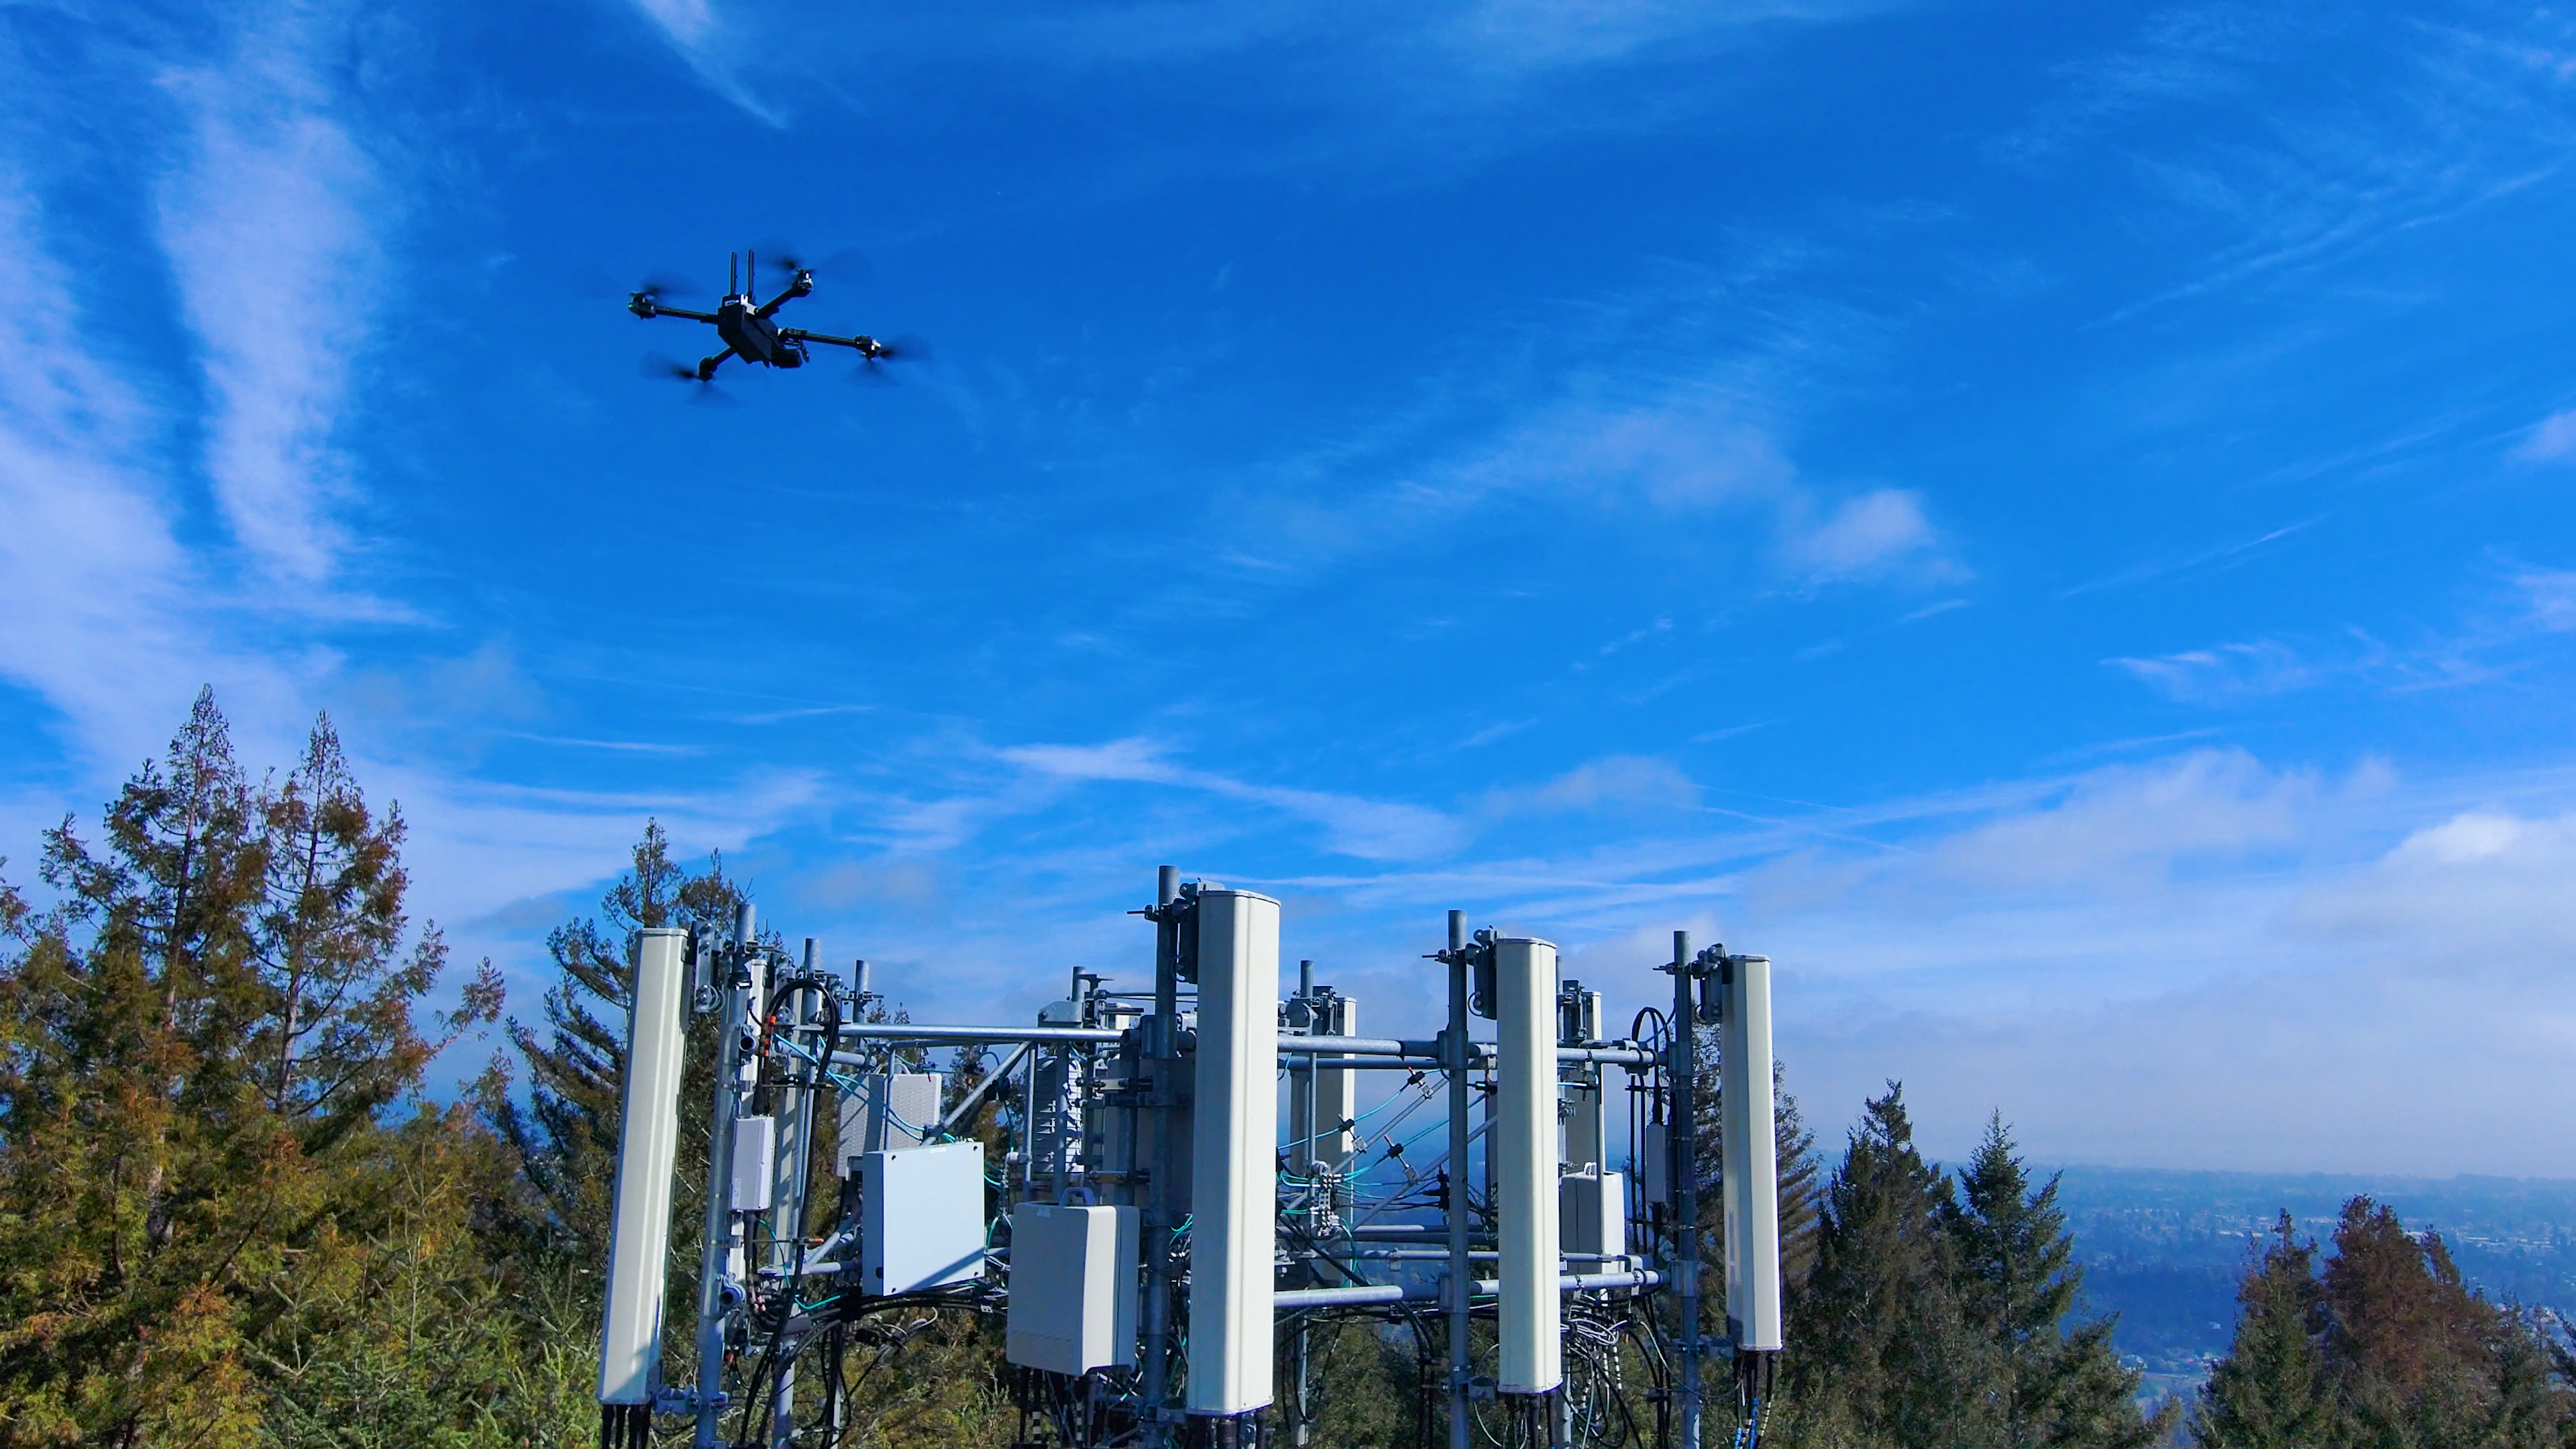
733	273
751	272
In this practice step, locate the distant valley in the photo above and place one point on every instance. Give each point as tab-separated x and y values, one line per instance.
2164	1249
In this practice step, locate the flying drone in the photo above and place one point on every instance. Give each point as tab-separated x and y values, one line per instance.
748	327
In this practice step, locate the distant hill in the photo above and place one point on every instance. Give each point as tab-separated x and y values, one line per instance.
2164	1249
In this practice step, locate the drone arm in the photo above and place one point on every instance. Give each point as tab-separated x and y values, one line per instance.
661	311
862	344
801	287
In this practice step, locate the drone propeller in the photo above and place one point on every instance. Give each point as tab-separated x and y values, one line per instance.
848	264
907	347
658	283
670	369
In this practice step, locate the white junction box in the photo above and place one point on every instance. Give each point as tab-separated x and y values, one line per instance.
921	1217
1073	1287
1592	1217
755	1156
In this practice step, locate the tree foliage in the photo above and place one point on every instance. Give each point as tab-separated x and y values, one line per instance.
206	1038
2381	1347
229	1217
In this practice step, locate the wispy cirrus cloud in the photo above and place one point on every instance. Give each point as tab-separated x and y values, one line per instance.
2552	441
2225	673
275	202
93	579
1352	825
718	46
2519	609
1463	54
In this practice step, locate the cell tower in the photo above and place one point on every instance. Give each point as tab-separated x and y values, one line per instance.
1160	1251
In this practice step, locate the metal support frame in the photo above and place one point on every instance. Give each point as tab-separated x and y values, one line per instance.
1157	1145
735	995
1156	1079
1683	1156
1454	1201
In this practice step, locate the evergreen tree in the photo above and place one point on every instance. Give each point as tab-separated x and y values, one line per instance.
565	1135
2060	1385
1794	1154
2271	1391
2420	1360
336	1035
171	1175
1885	1353
2387	1347
1801	1185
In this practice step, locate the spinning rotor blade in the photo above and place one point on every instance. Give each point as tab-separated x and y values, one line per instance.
905	347
658	368
848	264
658	283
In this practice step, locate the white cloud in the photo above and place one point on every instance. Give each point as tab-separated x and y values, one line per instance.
1436	57
1865	536
2553	441
106	610
276	203
2224	674
1352	825
2124	966
1691	447
716	47
1536	34
2550	595
1128	759
2128	826
1624	782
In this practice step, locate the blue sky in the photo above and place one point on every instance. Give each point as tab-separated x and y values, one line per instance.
2052	522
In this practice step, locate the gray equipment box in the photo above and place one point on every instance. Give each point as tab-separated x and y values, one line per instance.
1652	1175
921	1217
1073	1287
1592	1216
755	1161
897	1109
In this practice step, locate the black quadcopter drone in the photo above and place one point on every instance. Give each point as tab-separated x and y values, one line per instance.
745	323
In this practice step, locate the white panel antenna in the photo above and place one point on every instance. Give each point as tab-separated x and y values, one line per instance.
1234	1137
630	1353
1336	1093
1749	1167
1521	1136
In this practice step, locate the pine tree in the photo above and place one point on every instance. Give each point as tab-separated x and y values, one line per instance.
2419	1358
566	1134
337	1039
170	1174
1801	1185
2060	1385
2272	1391
1794	1154
1885	1353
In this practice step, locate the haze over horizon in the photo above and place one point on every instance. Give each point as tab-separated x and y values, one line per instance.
2057	526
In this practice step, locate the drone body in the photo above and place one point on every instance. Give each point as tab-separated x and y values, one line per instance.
749	328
